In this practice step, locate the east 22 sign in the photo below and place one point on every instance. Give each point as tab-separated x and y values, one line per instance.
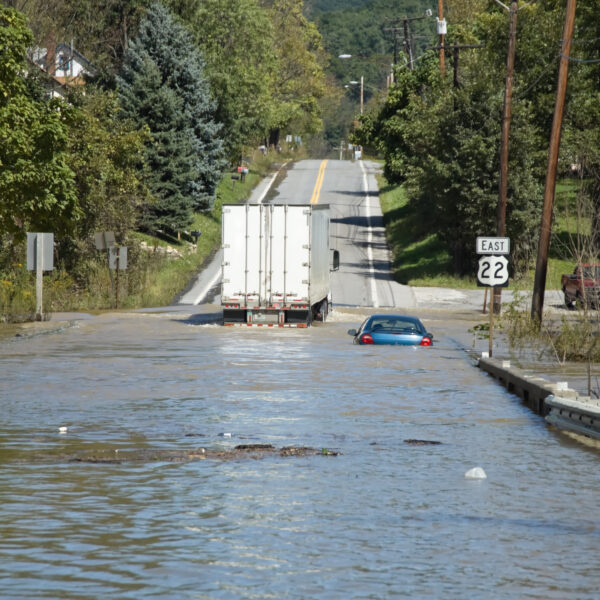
493	271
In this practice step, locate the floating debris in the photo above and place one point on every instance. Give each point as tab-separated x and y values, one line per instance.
254	447
242	451
97	460
475	473
225	435
422	442
63	429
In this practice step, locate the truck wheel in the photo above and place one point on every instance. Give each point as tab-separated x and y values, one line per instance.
324	310
321	314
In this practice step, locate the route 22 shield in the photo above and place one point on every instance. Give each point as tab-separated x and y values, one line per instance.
493	271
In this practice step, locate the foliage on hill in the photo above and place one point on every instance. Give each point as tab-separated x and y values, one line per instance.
441	137
162	87
372	32
197	83
36	182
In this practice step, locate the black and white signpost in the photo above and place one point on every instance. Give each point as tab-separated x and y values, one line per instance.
493	269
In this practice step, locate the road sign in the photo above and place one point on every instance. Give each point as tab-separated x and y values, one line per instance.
46	248
493	271
493	245
117	255
104	240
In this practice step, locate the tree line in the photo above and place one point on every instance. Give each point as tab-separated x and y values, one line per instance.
440	134
180	90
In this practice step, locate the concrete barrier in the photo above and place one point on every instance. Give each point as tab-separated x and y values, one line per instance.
531	389
581	415
556	402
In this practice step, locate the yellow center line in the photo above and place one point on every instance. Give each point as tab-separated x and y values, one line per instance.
315	195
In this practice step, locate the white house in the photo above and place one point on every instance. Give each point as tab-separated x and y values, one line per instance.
63	63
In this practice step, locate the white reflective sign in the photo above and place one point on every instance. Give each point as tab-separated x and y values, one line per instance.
493	245
493	271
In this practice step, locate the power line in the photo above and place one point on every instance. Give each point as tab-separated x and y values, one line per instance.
580	60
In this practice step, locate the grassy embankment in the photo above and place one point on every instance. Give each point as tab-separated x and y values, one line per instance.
420	259
153	278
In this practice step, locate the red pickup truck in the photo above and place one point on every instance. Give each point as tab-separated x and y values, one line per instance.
583	285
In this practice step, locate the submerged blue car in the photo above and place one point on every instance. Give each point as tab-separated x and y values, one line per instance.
392	329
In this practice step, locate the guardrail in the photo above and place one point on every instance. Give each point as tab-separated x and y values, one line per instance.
556	402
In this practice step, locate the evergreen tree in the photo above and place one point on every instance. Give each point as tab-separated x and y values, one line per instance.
162	87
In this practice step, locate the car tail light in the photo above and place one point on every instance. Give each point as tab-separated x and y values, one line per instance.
365	338
425	341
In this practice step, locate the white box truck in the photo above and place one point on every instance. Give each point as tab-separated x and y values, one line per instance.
276	264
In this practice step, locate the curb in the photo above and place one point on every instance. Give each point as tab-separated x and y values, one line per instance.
560	406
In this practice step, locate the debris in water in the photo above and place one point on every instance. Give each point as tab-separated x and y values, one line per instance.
475	473
422	442
254	447
227	435
242	451
63	429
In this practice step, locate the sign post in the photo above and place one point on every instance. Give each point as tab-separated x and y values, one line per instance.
40	258
117	261
493	270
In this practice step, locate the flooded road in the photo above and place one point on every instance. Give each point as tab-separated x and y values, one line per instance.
384	519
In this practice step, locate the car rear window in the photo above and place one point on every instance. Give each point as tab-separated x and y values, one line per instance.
395	326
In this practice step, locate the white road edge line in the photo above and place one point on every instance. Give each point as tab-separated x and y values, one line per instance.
374	295
207	288
262	196
217	276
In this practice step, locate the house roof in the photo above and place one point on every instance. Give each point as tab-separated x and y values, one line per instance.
81	59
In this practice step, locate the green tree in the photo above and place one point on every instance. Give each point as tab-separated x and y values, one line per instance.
36	182
452	175
237	41
444	145
300	83
106	154
99	29
162	87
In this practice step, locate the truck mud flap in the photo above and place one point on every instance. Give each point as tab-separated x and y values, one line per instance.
234	316
298	318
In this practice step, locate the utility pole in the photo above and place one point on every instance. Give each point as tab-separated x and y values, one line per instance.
407	40
455	51
506	116
395	31
541	267
441	27
362	93
407	45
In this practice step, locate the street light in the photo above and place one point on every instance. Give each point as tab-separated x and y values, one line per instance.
362	91
362	83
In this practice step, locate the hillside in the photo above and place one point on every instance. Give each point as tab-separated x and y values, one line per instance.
313	7
364	29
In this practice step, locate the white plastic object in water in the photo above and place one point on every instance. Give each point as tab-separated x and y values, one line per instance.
475	473
62	429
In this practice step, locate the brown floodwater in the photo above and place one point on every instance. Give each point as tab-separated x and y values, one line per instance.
144	495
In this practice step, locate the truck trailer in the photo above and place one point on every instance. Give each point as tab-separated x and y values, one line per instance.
276	264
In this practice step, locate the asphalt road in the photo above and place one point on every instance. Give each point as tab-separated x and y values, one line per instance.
364	278
350	189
